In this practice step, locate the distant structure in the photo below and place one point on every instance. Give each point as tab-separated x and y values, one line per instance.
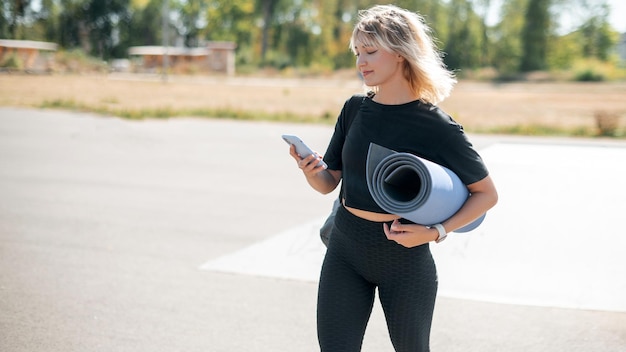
28	52
214	57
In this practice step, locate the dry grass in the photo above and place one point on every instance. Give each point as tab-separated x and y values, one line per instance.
478	106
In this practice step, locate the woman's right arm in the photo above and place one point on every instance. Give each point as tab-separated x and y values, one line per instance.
321	179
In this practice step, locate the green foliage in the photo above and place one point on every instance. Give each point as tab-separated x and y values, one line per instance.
190	20
464	36
12	15
506	38
589	75
594	70
77	61
232	20
145	25
169	112
312	36
563	51
535	36
596	36
540	130
12	61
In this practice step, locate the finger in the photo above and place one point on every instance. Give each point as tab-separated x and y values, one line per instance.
396	226
391	233
303	163
293	153
310	158
308	162
319	162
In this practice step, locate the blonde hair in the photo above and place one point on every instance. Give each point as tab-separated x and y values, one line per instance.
405	33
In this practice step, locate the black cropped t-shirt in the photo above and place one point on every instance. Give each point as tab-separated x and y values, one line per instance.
416	127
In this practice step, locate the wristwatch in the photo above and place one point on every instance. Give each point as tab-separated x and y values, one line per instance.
442	232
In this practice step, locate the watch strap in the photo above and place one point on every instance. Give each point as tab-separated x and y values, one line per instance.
442	232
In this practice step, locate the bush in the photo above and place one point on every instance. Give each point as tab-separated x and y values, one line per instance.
12	61
607	123
76	61
589	75
591	70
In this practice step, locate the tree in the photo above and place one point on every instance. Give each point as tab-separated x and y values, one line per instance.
535	36
102	18
191	19
145	23
463	43
597	36
267	9
507	46
482	8
315	33
232	20
92	24
13	15
48	19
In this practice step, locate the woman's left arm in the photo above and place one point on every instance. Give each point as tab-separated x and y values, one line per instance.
483	197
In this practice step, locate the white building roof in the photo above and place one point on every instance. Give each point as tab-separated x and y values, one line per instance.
171	50
27	44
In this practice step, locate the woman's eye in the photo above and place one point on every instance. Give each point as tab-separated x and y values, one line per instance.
370	52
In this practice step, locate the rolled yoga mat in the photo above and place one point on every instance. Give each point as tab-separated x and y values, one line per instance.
414	188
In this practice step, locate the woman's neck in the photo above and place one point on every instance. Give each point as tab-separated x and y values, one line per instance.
395	94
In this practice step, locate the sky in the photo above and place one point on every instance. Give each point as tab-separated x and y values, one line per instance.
618	15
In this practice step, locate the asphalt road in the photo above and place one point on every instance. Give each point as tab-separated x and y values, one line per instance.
104	224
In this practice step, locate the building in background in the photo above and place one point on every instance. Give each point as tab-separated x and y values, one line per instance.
26	55
213	57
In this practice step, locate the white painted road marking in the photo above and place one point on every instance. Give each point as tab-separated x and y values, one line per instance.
556	237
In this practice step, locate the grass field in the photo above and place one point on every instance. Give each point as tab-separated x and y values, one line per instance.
522	108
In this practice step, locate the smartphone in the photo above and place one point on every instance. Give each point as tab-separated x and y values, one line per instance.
301	147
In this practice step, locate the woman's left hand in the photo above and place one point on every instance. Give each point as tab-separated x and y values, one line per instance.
410	235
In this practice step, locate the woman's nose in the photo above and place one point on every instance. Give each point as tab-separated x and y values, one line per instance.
360	61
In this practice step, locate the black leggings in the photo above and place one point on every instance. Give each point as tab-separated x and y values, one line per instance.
359	259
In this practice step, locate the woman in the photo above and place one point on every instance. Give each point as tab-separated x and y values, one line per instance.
370	249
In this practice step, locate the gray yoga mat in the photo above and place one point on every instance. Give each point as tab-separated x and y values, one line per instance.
415	188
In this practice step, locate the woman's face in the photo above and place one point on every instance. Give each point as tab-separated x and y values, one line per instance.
378	66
